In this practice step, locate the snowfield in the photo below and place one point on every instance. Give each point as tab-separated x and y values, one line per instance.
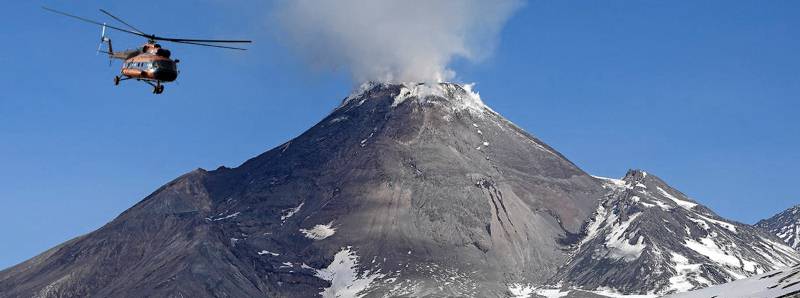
779	283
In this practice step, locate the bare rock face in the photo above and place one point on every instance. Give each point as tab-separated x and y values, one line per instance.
404	190
784	225
649	238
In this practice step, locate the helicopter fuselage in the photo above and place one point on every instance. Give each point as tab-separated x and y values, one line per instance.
150	63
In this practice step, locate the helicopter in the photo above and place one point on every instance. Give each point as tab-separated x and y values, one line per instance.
151	63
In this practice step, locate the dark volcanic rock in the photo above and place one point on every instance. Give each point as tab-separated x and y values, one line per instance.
784	225
412	190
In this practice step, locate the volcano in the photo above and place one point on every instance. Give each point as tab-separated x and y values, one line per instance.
404	190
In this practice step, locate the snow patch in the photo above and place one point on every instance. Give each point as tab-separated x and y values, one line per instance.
291	212
319	232
619	246
417	90
224	217
461	96
699	222
551	293
685	272
343	274
648	205
662	205
266	252
612	183
594	227
728	226
707	247
337	119
520	290
609	292
682	203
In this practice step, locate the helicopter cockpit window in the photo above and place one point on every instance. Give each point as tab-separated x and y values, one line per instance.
165	64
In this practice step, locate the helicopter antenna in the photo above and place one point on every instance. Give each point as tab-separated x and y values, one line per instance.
121	21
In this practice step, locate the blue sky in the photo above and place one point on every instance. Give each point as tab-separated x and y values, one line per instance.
701	93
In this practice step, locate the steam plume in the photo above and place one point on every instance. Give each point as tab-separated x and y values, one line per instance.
393	40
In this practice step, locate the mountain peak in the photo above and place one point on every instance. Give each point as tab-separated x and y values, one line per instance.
785	225
454	95
635	174
646	226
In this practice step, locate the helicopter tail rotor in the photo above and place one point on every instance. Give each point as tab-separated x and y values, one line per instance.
107	40
102	39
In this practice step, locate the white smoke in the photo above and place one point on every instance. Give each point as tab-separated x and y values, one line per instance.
392	40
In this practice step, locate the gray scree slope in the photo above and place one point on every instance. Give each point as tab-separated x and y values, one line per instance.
413	190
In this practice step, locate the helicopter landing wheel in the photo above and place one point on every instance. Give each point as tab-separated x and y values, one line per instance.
116	80
158	89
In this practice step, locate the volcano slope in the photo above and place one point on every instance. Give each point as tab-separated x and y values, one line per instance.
404	190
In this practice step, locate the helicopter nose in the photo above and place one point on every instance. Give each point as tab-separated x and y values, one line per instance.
167	75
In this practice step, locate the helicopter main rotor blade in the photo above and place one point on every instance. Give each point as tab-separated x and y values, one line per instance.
96	23
121	21
200	40
206	45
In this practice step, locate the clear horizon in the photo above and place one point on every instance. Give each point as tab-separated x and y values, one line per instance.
703	95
